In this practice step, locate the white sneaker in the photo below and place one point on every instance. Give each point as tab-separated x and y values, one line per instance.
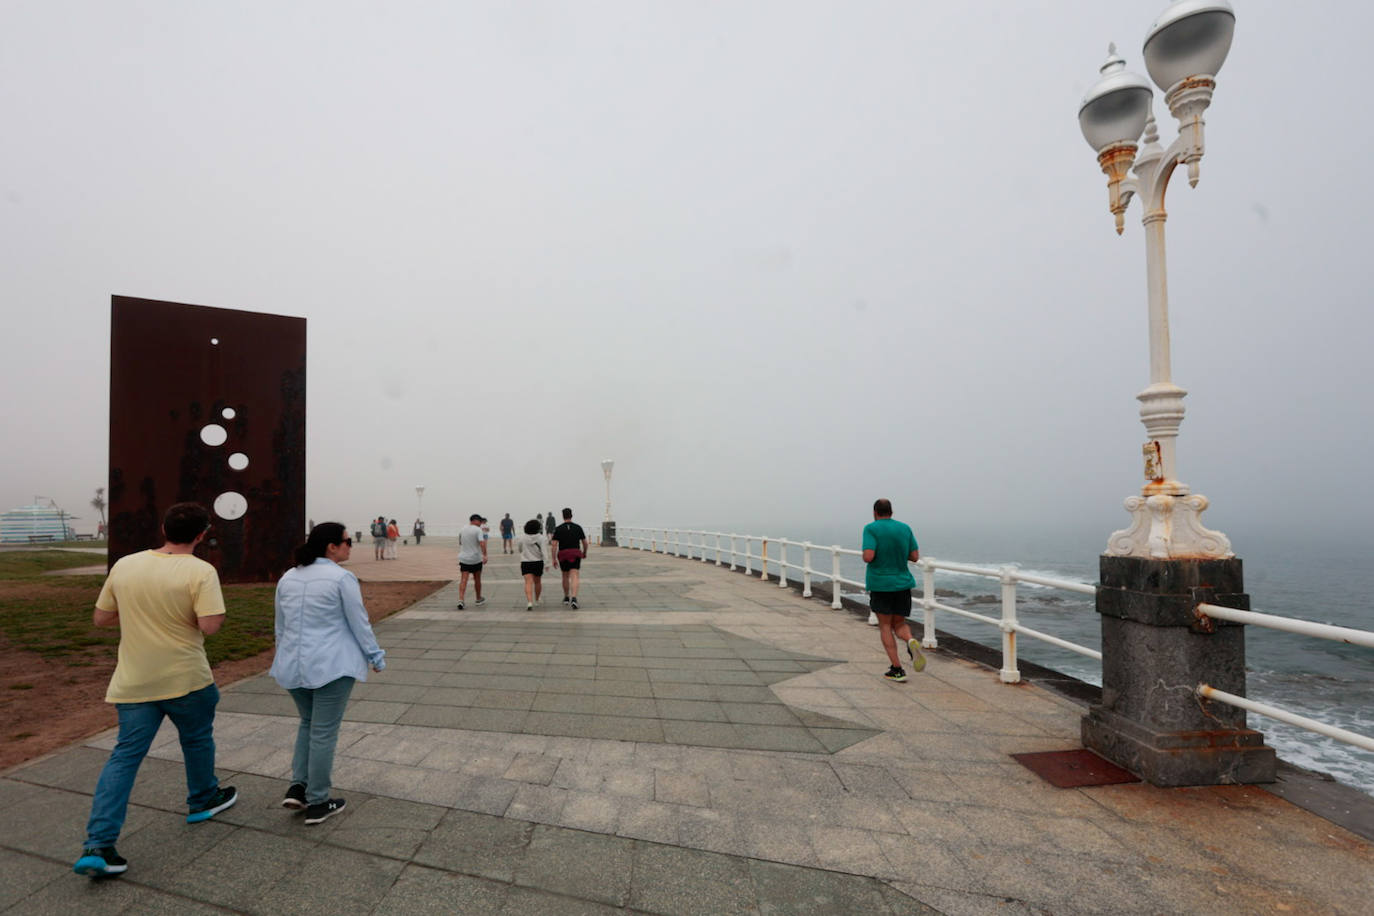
529	605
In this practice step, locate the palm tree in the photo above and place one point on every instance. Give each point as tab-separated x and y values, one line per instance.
99	505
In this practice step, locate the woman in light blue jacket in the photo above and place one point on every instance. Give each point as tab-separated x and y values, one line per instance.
324	645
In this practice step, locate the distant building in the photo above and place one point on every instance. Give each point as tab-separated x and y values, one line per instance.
30	524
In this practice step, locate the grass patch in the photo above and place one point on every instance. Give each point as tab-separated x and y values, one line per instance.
51	615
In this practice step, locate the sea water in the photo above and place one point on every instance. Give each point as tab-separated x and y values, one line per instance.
1326	583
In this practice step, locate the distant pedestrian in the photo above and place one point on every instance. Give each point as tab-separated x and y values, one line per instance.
507	533
325	644
571	543
379	537
472	554
486	531
549	525
393	535
534	553
165	602
889	546
418	530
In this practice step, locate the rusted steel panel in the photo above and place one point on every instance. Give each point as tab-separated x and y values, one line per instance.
208	405
1074	769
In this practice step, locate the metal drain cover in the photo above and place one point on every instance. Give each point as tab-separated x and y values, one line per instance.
1074	769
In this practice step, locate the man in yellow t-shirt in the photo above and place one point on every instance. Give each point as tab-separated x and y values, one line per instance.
165	602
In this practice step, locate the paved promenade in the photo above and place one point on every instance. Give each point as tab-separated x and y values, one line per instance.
690	741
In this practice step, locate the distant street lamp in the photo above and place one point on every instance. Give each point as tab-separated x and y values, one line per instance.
608	526
419	503
1183	51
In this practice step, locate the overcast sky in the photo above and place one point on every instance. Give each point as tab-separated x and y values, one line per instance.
776	259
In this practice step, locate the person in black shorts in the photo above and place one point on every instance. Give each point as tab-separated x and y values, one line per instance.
569	542
533	554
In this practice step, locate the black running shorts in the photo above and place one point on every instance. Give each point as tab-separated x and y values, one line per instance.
898	603
531	567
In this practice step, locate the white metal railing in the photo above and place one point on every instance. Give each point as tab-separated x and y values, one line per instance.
1008	623
773	552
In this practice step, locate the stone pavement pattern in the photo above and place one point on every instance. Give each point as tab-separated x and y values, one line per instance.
690	741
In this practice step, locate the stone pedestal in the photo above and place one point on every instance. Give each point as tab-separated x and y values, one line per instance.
1154	655
608	534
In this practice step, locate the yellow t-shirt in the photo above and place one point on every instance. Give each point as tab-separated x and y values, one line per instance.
161	649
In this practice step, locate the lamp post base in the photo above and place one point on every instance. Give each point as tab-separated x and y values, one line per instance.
608	534
1150	720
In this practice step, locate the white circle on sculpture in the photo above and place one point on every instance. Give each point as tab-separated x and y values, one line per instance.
213	434
238	461
228	413
230	505
214	341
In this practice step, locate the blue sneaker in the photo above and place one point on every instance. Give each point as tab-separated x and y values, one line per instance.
223	798
102	861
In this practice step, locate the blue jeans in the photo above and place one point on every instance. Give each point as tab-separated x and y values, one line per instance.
194	717
322	710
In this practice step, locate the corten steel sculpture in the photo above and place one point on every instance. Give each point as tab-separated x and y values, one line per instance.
208	405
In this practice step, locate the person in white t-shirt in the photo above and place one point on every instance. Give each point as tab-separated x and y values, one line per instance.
534	553
472	556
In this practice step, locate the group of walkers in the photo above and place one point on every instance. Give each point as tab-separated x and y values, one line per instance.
385	534
165	601
564	550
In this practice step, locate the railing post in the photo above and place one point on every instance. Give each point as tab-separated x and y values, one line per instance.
748	549
718	562
1009	673
782	563
806	569
835	577
732	551
763	558
928	639
703	546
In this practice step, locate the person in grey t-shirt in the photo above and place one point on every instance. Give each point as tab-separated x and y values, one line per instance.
472	555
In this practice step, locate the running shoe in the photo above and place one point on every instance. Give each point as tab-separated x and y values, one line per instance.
895	673
461	605
479	602
101	861
574	604
323	811
223	798
295	797
918	658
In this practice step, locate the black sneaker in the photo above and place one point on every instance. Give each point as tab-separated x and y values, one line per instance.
323	811
566	599
479	602
461	605
895	673
224	798
295	797
102	861
573	604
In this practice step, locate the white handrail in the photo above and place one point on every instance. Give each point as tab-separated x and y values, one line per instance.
1290	625
1283	715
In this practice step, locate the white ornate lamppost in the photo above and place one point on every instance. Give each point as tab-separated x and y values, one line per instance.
1154	574
419	503
608	526
1183	51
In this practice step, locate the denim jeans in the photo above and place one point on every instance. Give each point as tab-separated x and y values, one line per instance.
194	717
322	710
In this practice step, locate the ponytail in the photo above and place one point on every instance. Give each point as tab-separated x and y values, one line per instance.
321	536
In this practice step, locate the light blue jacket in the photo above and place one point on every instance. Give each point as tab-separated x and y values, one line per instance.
323	632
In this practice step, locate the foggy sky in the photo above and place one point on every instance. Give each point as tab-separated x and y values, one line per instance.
775	259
